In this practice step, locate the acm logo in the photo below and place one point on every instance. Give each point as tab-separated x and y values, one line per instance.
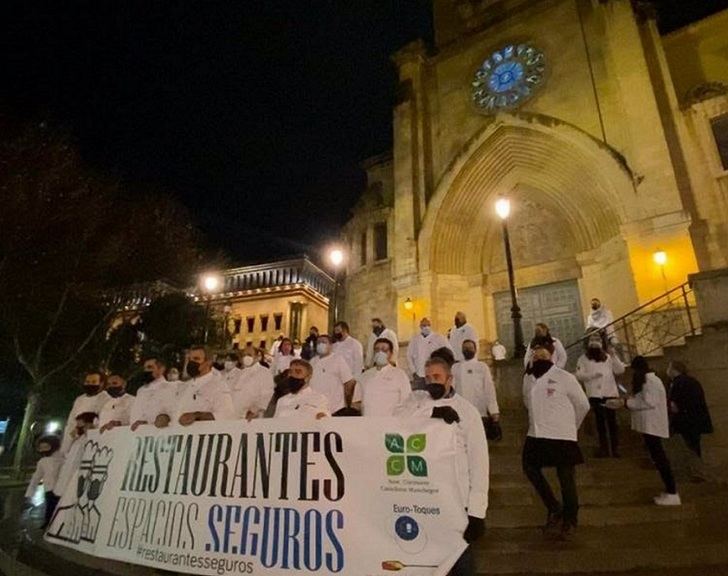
406	455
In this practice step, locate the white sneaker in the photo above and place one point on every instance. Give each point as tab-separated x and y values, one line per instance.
668	500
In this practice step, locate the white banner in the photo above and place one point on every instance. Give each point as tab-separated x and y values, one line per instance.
354	496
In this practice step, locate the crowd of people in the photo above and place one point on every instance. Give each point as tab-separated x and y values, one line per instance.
332	375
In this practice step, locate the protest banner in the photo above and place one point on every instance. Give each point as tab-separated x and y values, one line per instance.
355	496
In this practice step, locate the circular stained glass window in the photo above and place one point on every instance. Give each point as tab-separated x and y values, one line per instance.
508	78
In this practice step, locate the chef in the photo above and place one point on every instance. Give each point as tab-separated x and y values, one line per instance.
560	356
332	376
473	381
384	386
253	390
424	343
150	396
349	348
301	400
92	400
379	330
204	396
116	411
231	370
459	333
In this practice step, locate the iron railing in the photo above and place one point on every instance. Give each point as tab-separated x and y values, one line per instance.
664	321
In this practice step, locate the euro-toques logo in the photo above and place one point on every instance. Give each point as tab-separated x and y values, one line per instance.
406	455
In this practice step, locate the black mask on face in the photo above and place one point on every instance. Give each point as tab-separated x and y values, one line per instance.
218	366
458	322
540	367
595	306
378	330
295	384
338	335
469	354
147	377
435	390
91	389
115	392
193	369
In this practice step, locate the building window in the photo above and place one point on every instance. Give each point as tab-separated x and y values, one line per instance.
380	241
251	323
720	132
264	323
238	325
236	345
363	249
278	320
262	345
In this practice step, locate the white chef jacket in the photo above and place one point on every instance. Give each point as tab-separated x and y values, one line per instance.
473	381
460	335
117	409
352	352
281	363
307	402
206	393
420	348
649	408
46	471
559	356
70	465
472	460
390	335
380	391
81	404
556	405
230	377
598	377
151	401
330	373
600	318
252	391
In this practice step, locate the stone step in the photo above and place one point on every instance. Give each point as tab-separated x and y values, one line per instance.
507	463
585	476
524	495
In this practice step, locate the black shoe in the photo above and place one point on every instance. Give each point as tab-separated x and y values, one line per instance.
567	531
553	523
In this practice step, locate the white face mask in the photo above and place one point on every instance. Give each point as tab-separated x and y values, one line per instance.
381	359
426	330
248	361
173	376
322	349
229	365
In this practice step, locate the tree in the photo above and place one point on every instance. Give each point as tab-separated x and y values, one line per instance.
67	235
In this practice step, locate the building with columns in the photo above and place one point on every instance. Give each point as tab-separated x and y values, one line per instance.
610	140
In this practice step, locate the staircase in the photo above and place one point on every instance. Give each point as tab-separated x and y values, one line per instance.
620	530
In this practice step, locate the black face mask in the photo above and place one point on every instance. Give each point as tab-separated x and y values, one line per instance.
469	354
91	389
435	390
458	323
378	330
338	335
115	392
193	369
595	306
147	378
293	385
218	366
540	367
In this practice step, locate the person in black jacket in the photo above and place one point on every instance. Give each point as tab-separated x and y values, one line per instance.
308	350
689	415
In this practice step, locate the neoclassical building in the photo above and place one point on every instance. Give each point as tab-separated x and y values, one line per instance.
610	140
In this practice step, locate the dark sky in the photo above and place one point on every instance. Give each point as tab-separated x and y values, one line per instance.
254	114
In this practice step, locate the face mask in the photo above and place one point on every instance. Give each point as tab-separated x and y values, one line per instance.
381	359
218	366
469	354
229	365
295	384
115	392
248	361
173	376
425	331
322	349
435	390
595	306
596	345
338	336
378	330
91	389
147	377
193	369
540	367
458	322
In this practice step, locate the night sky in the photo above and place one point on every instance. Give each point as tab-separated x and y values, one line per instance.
255	115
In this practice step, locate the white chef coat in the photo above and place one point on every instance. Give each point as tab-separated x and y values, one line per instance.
117	409
70	465
46	471
253	390
600	318
598	377
81	404
559	357
230	377
556	405
472	460
380	391
460	335
330	373
473	381
649	408
151	401
420	348
281	363
390	335
206	393
352	352
307	402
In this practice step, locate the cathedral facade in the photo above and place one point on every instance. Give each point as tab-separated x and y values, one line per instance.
609	140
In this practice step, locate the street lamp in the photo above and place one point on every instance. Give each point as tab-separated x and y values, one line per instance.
660	258
336	257
210	283
503	209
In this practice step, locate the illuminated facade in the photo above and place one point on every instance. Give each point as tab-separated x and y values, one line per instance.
610	140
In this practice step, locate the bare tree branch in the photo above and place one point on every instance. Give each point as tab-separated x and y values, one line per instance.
51	327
